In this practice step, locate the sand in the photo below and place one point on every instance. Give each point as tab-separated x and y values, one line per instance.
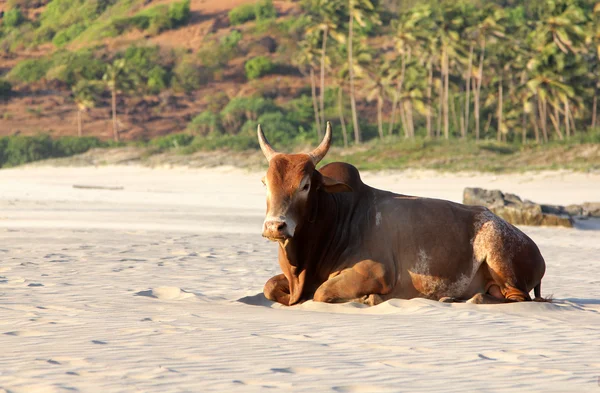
155	287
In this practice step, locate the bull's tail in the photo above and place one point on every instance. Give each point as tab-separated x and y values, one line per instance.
537	292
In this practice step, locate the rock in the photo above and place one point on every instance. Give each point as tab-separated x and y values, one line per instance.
591	209
516	211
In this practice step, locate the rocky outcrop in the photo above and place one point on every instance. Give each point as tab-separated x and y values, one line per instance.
523	212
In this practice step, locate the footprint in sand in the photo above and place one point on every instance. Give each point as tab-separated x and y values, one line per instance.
298	370
363	388
25	333
166	293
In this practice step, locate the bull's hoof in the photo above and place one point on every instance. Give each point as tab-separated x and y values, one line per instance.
478	298
370	300
448	299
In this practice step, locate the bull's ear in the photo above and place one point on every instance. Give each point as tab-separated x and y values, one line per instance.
332	186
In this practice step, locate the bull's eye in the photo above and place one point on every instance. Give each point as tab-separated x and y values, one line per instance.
306	187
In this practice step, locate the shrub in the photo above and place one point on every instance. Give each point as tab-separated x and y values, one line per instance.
30	70
277	128
242	14
18	150
217	54
63	37
264	10
189	76
205	123
179	13
13	18
5	88
22	149
230	142
258	66
172	141
70	67
241	109
158	79
71	145
232	39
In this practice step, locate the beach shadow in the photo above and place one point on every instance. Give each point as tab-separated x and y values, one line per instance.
256	300
583	302
588	224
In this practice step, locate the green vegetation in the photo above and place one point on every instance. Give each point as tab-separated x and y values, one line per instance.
13	18
18	150
260	11
404	75
258	66
155	19
5	88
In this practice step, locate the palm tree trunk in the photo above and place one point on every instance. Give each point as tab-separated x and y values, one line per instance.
454	115
313	89
478	90
467	95
429	87
535	127
79	128
351	72
397	95
438	130
403	118
500	97
556	122
595	106
572	120
410	118
567	124
114	115
322	98
524	128
379	117
341	114
488	124
543	117
446	88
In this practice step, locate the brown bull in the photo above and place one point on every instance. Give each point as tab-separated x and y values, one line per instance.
341	240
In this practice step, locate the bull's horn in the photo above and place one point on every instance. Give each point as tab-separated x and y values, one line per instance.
318	154
265	146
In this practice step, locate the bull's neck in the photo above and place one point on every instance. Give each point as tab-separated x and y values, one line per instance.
315	249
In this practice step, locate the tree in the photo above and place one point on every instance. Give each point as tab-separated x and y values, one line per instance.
361	11
379	81
85	94
305	60
115	79
326	21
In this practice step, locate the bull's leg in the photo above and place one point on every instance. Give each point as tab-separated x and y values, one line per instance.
277	289
486	298
364	279
514	263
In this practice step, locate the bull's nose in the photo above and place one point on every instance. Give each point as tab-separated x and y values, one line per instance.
276	230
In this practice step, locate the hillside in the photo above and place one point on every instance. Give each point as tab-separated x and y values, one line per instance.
49	108
197	75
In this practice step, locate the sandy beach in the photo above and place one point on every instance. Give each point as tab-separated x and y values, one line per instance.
155	285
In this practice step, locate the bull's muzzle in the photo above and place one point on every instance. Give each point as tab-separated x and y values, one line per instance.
277	230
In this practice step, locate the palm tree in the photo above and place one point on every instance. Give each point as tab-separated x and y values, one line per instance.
361	10
488	27
115	79
327	22
379	80
306	59
85	94
340	80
